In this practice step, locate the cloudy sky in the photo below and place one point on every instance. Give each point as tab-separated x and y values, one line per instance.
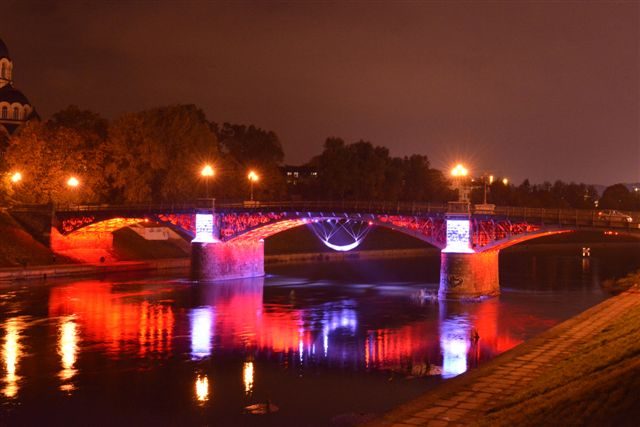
545	90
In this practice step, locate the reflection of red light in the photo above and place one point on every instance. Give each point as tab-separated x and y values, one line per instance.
241	321
116	319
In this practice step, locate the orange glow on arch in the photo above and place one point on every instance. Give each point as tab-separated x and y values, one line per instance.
269	230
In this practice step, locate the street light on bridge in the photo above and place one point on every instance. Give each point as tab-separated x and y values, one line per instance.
16	177
207	172
73	182
459	171
253	177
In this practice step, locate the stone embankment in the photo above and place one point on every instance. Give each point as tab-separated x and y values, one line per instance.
585	371
70	270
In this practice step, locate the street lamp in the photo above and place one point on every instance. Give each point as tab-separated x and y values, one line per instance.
505	181
459	171
253	177
16	177
73	182
207	172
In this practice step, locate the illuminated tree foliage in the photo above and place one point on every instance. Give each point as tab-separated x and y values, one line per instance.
251	148
362	171
47	156
156	155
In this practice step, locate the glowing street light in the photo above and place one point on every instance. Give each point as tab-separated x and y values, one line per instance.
16	177
253	177
505	181
207	172
459	170
73	182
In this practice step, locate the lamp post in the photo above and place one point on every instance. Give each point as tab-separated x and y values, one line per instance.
459	173
207	172
253	177
484	181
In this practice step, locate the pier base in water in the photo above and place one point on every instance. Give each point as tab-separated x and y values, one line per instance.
468	275
223	260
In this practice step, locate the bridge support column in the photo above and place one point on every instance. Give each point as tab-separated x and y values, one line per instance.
468	275
211	261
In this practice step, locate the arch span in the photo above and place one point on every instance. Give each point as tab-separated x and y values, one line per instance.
92	242
431	233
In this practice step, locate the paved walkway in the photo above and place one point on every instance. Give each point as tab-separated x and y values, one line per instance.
466	399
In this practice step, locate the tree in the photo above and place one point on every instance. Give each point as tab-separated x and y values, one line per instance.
156	155
91	126
616	196
251	148
47	157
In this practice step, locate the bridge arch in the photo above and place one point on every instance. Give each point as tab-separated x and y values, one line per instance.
430	233
90	240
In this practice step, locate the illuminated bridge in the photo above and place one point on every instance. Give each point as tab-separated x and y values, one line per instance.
228	241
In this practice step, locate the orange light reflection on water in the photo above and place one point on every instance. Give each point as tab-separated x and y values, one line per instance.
11	353
67	349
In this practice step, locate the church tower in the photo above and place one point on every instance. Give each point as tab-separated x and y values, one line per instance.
15	108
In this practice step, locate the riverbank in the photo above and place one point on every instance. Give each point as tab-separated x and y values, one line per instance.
584	371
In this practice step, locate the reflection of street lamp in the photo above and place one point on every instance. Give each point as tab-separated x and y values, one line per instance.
207	172
253	177
16	177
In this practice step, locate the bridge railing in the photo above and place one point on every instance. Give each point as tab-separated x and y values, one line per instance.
573	217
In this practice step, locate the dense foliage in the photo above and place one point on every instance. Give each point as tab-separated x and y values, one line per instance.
156	155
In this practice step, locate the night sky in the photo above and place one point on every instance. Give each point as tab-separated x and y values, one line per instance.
541	90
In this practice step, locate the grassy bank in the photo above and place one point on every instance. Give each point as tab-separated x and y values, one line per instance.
18	248
596	385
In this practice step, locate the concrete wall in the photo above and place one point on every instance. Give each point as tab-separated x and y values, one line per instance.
83	247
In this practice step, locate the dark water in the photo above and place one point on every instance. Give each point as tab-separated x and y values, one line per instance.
325	344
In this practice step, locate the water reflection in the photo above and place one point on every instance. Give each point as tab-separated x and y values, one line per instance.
67	349
231	316
124	318
202	388
247	377
201	331
11	352
455	332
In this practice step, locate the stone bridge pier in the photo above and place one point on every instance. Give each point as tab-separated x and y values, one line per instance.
468	275
212	261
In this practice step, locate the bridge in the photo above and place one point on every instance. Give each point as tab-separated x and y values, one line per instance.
228	241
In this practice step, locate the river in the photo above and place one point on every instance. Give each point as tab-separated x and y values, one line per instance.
310	344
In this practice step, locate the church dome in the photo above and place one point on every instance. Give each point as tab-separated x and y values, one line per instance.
11	95
4	52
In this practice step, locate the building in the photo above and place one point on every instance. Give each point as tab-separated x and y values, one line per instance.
301	180
296	175
15	108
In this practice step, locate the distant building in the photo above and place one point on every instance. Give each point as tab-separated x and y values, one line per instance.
15	108
300	181
298	175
